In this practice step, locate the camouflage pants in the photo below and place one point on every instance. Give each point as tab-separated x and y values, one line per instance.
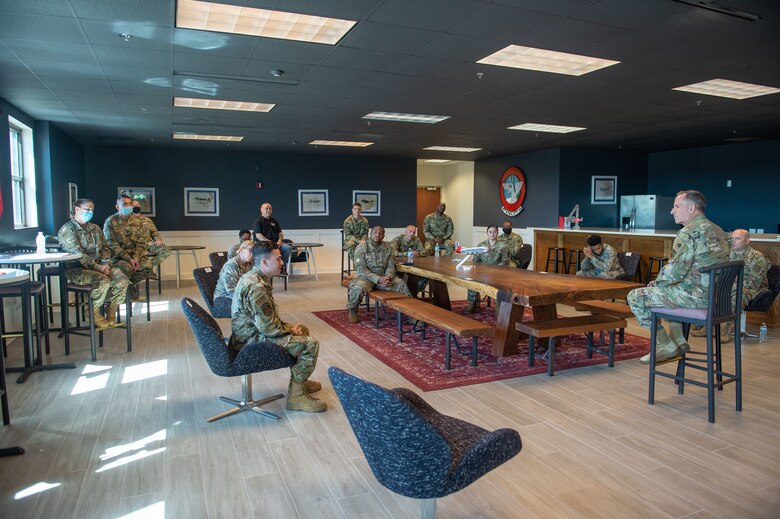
360	287
113	286
609	274
641	300
350	248
446	249
304	348
158	254
135	276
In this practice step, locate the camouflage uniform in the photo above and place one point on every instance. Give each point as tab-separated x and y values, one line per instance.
354	232
400	246
497	254
158	253
233	251
371	263
756	268
604	265
127	238
680	284
256	319
515	243
438	226
90	242
229	275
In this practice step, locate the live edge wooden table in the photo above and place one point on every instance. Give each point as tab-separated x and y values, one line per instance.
516	289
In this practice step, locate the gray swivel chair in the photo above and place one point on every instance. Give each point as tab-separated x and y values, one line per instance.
206	278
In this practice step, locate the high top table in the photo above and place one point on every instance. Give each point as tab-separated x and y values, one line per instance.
178	249
308	249
515	288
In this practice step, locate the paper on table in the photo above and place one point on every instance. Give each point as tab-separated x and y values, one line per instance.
47	255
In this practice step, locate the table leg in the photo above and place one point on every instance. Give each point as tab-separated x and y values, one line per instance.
506	337
441	296
195	257
178	269
313	263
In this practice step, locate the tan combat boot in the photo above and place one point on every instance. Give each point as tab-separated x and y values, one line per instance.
299	400
98	319
665	349
353	315
678	338
726	332
310	386
698	331
111	313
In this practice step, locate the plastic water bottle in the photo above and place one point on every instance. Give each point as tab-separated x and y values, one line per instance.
409	258
40	243
762	333
437	250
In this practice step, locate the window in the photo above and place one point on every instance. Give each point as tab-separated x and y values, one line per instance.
22	174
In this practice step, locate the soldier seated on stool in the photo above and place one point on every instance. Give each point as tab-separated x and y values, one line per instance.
355	230
127	240
94	267
256	319
601	260
158	251
375	269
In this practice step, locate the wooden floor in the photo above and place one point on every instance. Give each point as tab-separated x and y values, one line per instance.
127	436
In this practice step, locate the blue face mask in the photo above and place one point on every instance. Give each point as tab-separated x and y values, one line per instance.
126	210
86	215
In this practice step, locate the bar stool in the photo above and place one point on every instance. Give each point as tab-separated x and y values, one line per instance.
41	328
348	270
146	299
650	271
83	296
555	255
575	256
45	274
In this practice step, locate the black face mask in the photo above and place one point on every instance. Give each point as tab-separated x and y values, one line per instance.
507	230
136	210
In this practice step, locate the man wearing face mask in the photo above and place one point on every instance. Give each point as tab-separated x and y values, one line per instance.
94	267
158	251
513	241
126	238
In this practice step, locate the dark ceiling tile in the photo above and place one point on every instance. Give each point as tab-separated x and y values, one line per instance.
386	38
261	69
148	12
628	15
45	51
692	24
75	71
204	63
558	7
436	15
132	57
144	36
360	59
270	49
571	36
502	23
459	48
41	28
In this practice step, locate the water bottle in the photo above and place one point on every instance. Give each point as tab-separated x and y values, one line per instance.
437	250
40	244
409	258
762	333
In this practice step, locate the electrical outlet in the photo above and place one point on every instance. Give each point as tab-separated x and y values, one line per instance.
728	183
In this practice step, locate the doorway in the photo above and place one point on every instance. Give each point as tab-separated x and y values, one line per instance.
428	199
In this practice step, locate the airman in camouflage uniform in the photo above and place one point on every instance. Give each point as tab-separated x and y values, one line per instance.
233	269
513	241
256	319
127	239
94	268
157	250
680	284
438	228
497	254
601	260
401	246
355	230
375	268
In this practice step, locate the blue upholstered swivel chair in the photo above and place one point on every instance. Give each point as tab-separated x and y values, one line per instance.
225	362
206	278
414	450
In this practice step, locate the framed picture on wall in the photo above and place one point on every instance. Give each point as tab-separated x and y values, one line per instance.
201	201
144	195
313	202
603	190
73	195
370	200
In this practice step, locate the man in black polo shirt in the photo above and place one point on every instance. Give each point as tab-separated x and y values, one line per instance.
266	228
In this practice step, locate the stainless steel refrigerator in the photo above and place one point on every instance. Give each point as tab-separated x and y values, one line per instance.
647	212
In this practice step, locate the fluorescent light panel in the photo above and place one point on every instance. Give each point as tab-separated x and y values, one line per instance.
451	148
727	88
353	144
208	16
436	161
217	104
199	137
406	118
550	128
529	58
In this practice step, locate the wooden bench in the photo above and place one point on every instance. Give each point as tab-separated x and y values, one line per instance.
554	328
380	297
620	310
453	324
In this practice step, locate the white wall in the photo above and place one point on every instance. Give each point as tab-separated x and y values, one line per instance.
457	191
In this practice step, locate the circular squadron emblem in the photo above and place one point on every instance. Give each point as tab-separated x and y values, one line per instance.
511	191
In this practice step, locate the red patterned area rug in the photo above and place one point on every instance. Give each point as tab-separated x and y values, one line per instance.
422	362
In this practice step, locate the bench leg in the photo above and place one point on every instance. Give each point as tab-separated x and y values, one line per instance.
531	348
376	314
474	341
611	362
622	336
422	332
398	318
551	357
589	336
447	348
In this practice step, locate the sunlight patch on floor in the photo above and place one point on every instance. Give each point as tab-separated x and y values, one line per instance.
37	488
153	511
144	371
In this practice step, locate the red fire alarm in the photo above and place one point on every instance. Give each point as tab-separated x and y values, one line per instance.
259	185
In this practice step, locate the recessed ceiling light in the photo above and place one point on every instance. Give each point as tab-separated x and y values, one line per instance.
353	144
199	137
216	104
551	128
529	58
451	148
727	88
436	161
406	118
209	16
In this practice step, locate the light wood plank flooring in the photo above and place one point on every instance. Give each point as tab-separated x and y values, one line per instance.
127	436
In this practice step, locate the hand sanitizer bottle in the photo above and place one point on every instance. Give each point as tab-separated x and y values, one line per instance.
40	243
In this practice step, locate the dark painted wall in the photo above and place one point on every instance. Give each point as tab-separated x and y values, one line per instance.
235	174
577	167
753	168
541	170
62	161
